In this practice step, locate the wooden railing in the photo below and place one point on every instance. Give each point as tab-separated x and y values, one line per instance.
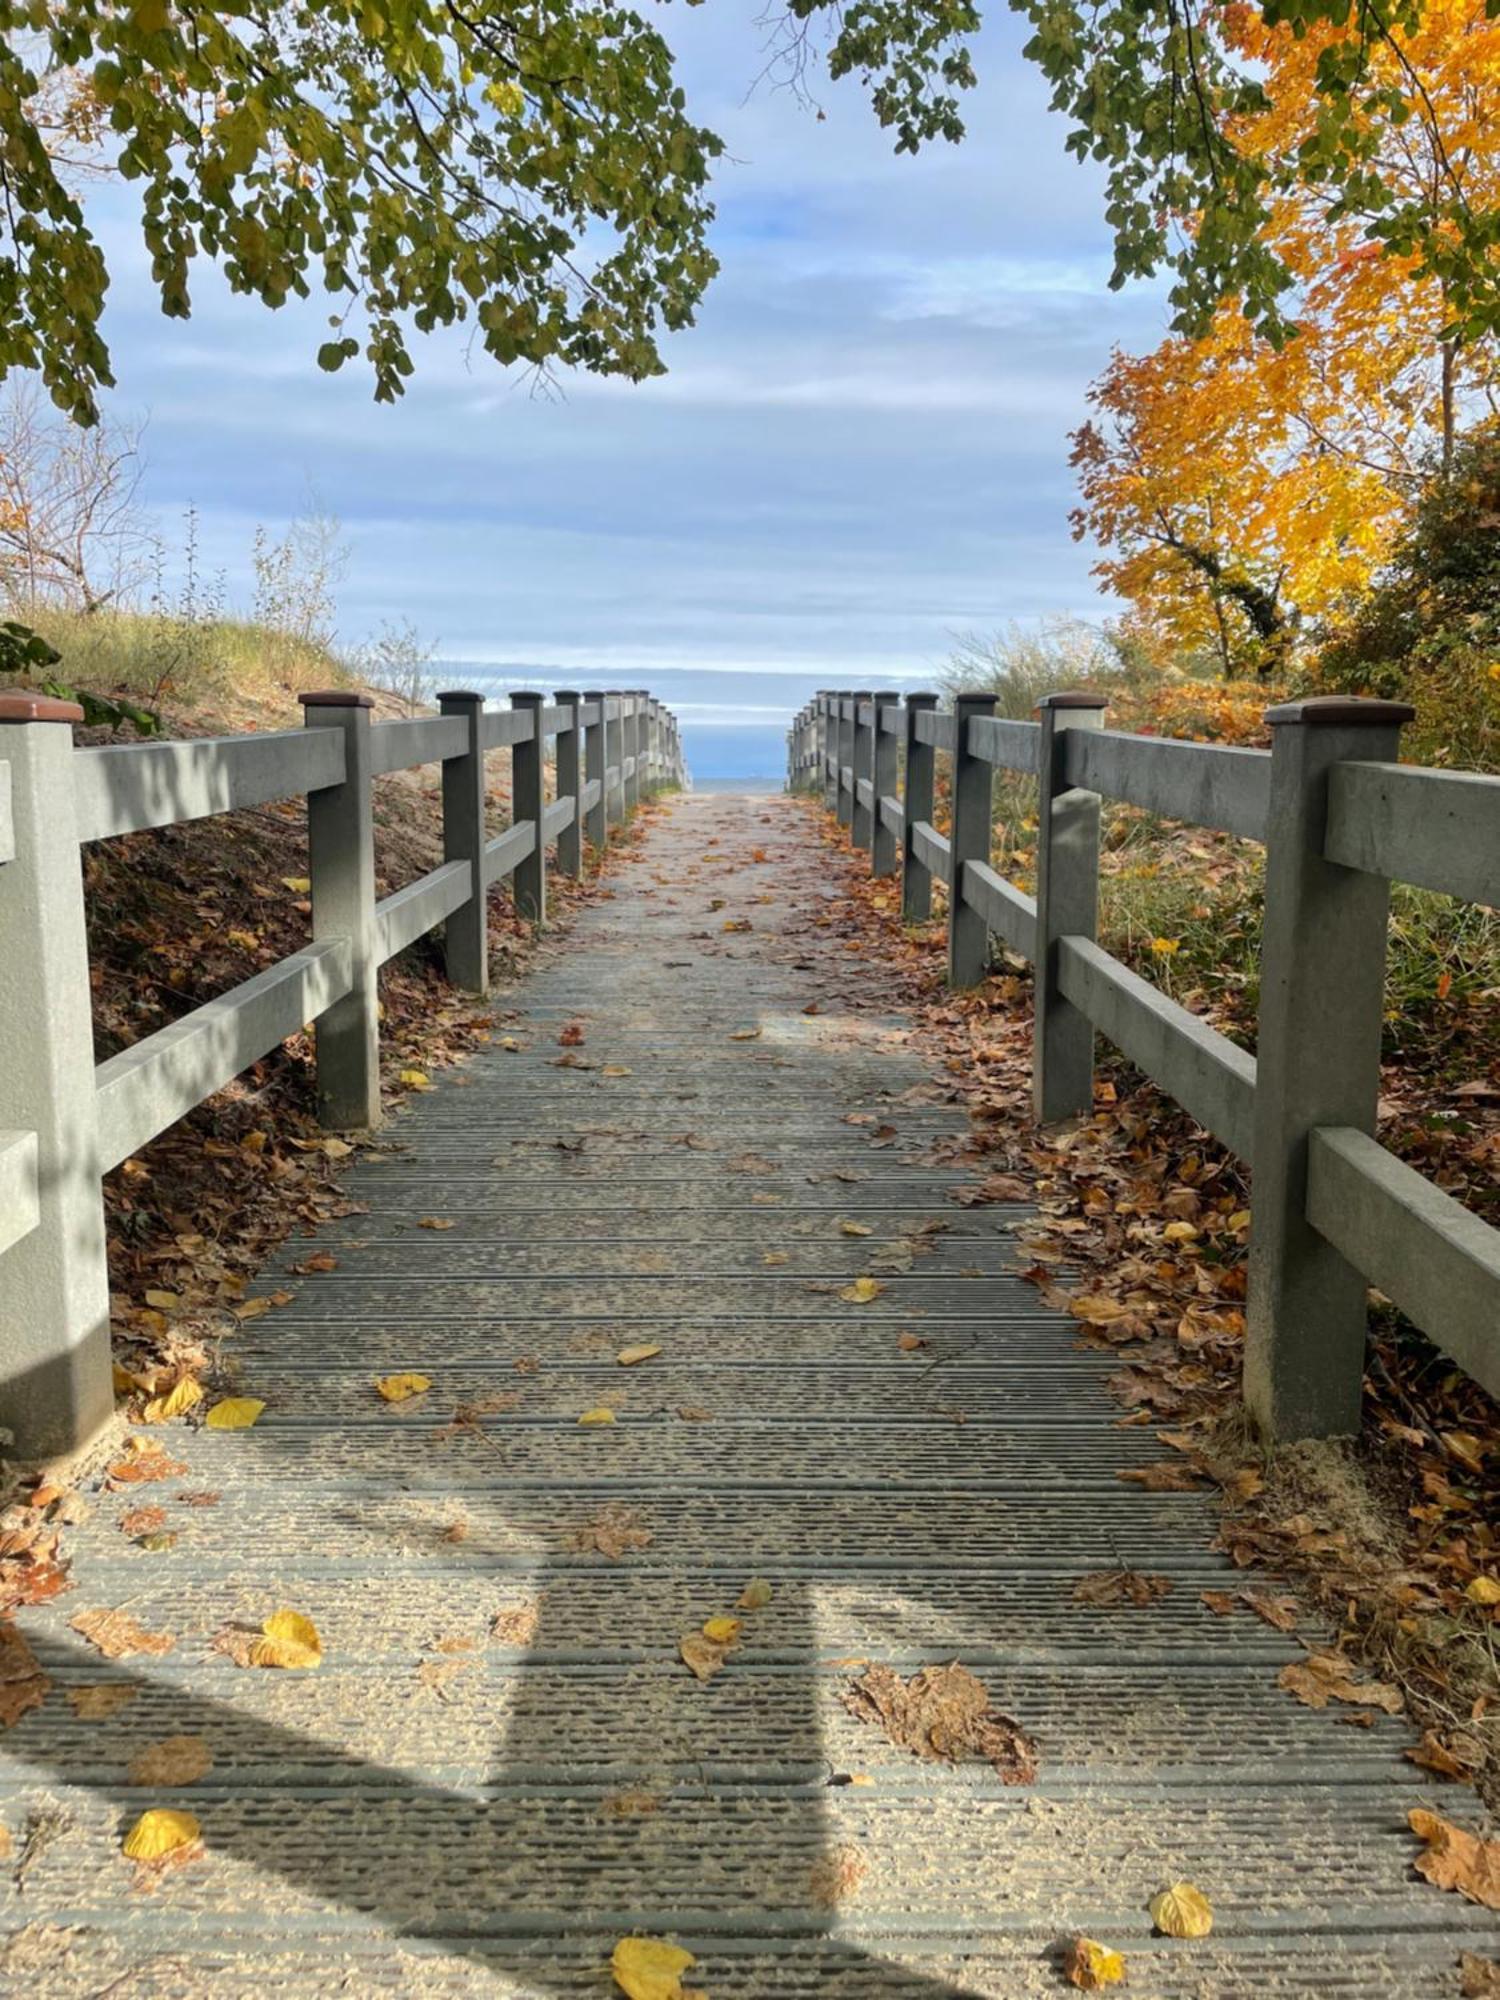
1334	1212
64	1121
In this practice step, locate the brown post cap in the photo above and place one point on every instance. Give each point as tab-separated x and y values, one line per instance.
337	698
973	698
1346	711
461	694
922	700
1074	698
17	705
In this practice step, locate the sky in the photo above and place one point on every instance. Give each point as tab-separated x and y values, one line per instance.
858	453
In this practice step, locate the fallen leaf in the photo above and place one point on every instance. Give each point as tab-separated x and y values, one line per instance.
572	1035
909	1343
23	1685
1091	1966
436	1222
104	1699
693	1413
1479	1978
943	1712
1181	1911
321	1260
1483	1590
600	1415
117	1636
416	1079
756	1595
632	1357
288	1640
650	1968
159	1833
515	1624
142	1521
401	1388
181	1397
176	1760
234	1413
1166	1476
1454	1858
722	1631
1459	1759
862	1291
1325	1677
701	1655
855	1229
1108	1587
835	1878
614	1532
745	1035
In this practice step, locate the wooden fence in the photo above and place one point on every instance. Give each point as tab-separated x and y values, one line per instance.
65	1121
1340	818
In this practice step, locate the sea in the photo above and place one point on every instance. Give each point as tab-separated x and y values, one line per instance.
734	721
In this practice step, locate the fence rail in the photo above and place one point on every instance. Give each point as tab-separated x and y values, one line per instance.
65	1121
1340	819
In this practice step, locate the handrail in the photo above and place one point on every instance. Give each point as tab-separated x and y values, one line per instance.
66	1121
1340	818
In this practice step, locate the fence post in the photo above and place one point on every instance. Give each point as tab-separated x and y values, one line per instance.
630	752
1322	983
917	798
969	838
55	1387
863	760
1067	905
828	709
614	758
528	801
341	862
595	820
466	947
567	758
844	752
882	785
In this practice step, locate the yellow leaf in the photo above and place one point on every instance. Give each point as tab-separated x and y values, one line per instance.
163	1301
160	1832
1182	1911
290	1640
336	1149
1091	1966
756	1595
862	1291
602	1415
745	1035
722	1631
300	885
126	1382
234	1413
650	1968
182	1396
400	1388
1179	1232
616	1069
1483	1590
855	1228
416	1079
631	1357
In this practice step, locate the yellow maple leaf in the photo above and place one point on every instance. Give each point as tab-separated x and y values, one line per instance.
182	1396
650	1968
400	1388
234	1413
160	1832
288	1640
862	1291
1181	1911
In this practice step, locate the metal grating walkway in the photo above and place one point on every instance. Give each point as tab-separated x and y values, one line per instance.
502	1765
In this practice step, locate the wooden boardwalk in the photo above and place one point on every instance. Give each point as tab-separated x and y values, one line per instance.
502	1765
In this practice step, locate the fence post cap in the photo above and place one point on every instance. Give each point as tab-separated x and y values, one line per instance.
461	694
570	695
922	700
887	694
1074	698
19	706
973	698
336	698
527	700
1344	711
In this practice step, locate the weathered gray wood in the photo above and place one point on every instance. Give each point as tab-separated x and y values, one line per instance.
891	721
917	796
127	787
862	763
341	862
932	850
864	795
1438	829
426	739
884	761
504	728
1205	784
595	789
614	760
969	840
410	913
1210	1077
891	816
504	854
936	730
550	718
557	818
7	817
568	765
828	715
55	1390
1318	1045
466	941
1008	745
20	1198
844	753
1437	1261
528	795
1067	902
149	1086
1006	910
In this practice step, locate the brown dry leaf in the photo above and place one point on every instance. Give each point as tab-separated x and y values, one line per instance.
693	1413
855	1229
910	1343
23	1685
1166	1476
435	1222
1182	1911
1091	1966
104	1699
632	1357
516	1624
117	1636
862	1291
1454	1858
1325	1677
943	1712
144	1460
142	1521
701	1655
630	1805
1479	1978
836	1877
1108	1587
1278	1612
1459	1758
1221	1602
615	1531
745	1035
176	1760
572	1036
320	1260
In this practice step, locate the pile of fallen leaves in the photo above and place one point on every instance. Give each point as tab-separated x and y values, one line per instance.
1141	1234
